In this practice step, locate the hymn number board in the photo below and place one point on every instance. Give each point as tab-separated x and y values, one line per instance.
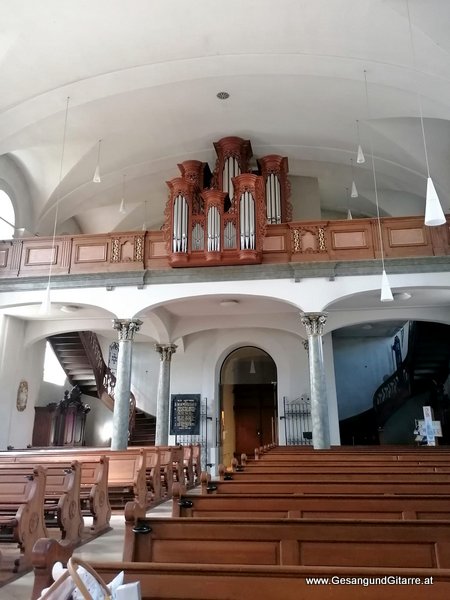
185	414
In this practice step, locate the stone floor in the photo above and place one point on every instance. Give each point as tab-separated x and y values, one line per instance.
107	547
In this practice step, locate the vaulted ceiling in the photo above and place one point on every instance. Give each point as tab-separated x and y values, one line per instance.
143	77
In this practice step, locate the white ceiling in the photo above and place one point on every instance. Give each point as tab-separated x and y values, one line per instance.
143	77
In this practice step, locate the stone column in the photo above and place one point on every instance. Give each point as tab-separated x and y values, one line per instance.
314	323
126	328
163	398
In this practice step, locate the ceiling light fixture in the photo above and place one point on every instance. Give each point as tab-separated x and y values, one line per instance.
122	209
230	302
144	224
434	215
354	192
403	296
223	95
349	212
97	178
360	158
69	308
46	302
386	293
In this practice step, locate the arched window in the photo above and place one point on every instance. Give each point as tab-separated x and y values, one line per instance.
7	216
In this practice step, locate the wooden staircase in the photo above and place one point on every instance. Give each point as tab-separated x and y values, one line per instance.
424	371
144	430
69	350
80	355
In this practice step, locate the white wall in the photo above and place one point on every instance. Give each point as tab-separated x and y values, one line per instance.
145	375
98	423
197	370
17	364
305	198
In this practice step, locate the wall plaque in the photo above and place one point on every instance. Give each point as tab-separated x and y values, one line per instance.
185	414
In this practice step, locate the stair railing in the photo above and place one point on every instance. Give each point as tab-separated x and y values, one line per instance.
104	377
396	388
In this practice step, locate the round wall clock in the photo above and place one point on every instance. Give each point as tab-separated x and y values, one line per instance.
22	396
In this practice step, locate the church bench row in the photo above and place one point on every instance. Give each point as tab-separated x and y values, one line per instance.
228	582
320	542
135	473
358	473
336	467
329	486
342	466
22	512
90	488
343	455
230	506
60	505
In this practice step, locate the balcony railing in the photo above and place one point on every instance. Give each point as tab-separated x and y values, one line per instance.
295	242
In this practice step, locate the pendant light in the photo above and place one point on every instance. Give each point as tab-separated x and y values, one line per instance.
349	212
46	301
360	158
97	178
434	215
386	292
122	209
354	192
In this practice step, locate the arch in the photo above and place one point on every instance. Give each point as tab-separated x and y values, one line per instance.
248	401
7	216
14	183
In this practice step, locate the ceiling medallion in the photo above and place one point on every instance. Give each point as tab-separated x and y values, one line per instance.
223	95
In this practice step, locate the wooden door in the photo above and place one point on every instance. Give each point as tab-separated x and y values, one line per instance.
254	411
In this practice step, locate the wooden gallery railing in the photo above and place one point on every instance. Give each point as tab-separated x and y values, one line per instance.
295	242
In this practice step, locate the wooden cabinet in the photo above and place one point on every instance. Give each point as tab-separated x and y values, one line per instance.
63	423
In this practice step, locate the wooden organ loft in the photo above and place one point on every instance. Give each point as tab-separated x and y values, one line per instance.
220	218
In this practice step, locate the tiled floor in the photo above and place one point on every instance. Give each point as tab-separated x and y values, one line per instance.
107	547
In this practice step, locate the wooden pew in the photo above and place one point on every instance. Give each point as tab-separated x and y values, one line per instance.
126	470
276	506
197	462
61	495
22	519
172	457
357	473
320	542
93	492
361	455
336	466
188	466
234	582
328	486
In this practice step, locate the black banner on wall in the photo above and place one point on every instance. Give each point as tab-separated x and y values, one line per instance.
185	414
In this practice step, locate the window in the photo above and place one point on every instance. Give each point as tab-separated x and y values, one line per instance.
53	372
7	217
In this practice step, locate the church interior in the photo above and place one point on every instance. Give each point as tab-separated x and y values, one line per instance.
224	228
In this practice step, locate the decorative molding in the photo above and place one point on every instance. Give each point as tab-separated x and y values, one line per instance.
115	250
166	351
309	239
127	328
314	323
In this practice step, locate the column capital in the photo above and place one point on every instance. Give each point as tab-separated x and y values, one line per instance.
165	351
127	328
313	322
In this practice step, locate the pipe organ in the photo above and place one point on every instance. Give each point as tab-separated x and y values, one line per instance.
221	218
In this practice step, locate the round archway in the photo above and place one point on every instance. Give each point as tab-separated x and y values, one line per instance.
248	381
